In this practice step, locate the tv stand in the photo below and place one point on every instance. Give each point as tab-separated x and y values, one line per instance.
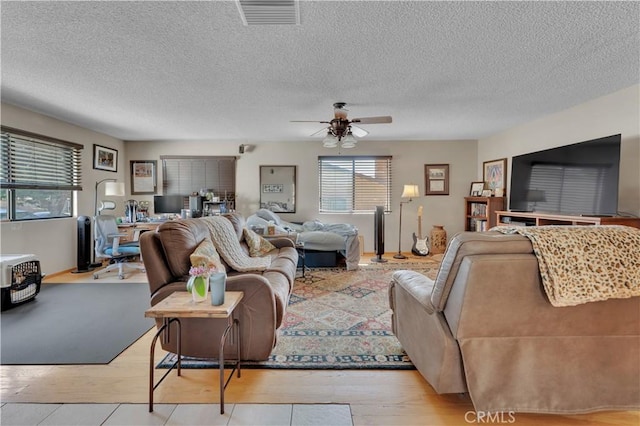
506	218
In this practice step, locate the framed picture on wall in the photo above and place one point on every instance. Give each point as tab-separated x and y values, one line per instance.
143	177
436	179
105	158
494	173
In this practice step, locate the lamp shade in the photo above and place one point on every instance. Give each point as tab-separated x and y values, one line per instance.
114	189
410	191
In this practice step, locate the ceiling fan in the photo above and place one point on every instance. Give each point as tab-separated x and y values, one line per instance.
341	129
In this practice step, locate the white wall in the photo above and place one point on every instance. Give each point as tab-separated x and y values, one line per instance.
409	158
54	241
615	113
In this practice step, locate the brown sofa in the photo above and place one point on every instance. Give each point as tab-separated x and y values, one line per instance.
165	254
485	326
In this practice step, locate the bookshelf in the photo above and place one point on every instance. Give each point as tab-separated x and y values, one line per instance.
480	212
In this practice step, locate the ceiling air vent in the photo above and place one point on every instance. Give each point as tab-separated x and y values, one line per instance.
269	12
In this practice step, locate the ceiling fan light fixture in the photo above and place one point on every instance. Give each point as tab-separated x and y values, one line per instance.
349	141
330	141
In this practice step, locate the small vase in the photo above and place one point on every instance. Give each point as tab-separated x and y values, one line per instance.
199	288
438	239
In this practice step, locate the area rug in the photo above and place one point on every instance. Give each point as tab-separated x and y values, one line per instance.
336	319
75	324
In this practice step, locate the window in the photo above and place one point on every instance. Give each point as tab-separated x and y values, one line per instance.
354	184
38	176
186	175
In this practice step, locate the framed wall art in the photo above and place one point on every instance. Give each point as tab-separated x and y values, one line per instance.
494	173
143	177
436	179
105	158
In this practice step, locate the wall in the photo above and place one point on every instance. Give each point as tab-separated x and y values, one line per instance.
54	241
618	112
409	158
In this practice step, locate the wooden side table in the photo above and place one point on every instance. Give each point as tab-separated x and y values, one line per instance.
180	305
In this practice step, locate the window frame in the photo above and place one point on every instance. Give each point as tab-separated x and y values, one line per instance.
55	167
387	182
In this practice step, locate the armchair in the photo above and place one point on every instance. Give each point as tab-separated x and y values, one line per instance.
107	245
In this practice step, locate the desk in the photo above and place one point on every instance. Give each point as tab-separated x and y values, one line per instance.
132	231
180	305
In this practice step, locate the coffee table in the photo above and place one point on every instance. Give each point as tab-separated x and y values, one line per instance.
181	305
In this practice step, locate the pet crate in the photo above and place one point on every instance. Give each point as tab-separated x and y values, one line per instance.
21	278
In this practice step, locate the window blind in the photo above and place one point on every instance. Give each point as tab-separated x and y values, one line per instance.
32	161
354	184
182	175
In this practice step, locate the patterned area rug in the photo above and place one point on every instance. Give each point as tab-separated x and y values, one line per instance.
336	319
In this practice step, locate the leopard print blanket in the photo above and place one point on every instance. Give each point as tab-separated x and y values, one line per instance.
580	264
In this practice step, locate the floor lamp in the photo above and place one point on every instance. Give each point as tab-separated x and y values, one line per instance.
111	189
409	192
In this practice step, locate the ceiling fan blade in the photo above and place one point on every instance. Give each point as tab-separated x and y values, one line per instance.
308	121
321	132
357	131
373	120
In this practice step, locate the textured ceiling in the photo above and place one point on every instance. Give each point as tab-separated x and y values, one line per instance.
191	70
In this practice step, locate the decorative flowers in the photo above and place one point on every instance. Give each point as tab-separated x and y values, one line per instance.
201	271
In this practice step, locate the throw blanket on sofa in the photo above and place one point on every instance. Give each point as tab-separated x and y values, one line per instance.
225	239
580	264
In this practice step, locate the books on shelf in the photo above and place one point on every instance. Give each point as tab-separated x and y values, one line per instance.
478	225
478	209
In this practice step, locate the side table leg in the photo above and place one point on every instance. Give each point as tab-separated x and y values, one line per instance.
164	330
221	363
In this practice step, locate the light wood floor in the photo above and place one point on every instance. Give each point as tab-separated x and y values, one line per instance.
376	397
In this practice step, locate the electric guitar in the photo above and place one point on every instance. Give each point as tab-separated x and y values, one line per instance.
420	245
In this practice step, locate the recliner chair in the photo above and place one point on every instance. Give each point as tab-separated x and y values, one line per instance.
107	245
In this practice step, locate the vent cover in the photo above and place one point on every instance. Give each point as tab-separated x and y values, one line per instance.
269	12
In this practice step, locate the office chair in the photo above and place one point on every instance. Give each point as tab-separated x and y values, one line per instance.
107	245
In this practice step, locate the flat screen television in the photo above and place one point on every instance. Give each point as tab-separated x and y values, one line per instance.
576	179
168	203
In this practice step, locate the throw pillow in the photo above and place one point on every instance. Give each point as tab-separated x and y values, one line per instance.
206	255
258	246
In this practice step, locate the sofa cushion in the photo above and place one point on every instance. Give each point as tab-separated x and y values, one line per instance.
417	285
179	239
470	243
238	222
258	246
206	255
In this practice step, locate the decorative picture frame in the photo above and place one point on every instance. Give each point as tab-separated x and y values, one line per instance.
487	193
476	189
143	177
436	178
494	173
277	187
105	158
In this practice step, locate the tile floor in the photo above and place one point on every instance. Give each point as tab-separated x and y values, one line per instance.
175	414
